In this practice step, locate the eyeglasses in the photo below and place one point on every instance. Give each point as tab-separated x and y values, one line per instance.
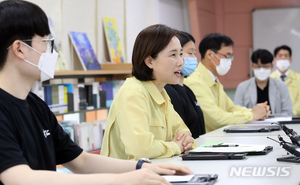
48	42
231	57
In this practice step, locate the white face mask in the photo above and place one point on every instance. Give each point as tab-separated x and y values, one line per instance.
261	73
225	65
282	65
47	63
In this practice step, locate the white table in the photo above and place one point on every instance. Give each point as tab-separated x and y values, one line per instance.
223	167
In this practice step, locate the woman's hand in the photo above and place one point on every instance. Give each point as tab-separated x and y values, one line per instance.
184	140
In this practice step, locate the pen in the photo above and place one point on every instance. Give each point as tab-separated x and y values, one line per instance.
213	146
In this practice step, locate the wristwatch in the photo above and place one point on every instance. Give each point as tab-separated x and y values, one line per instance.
141	162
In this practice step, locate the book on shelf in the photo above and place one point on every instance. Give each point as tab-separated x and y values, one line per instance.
96	94
67	97
108	88
84	50
54	96
113	40
76	97
48	94
82	97
102	95
86	129
90	135
111	88
89	96
70	127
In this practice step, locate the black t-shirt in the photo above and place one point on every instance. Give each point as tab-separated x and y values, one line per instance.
263	95
186	105
30	134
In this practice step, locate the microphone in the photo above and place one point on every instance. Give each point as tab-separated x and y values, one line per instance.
289	147
295	138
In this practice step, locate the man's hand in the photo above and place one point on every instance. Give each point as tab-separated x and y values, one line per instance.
150	174
261	111
141	177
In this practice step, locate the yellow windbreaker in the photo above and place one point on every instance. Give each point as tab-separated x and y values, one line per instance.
293	83
141	123
218	109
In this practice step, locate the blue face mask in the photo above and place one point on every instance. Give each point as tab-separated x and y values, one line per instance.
190	65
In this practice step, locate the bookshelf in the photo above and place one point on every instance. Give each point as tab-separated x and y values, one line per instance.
91	121
109	72
112	71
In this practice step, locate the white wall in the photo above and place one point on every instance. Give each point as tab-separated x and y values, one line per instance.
174	13
53	9
276	27
143	13
131	17
114	9
77	16
139	15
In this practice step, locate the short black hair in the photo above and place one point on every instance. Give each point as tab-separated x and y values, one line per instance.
20	20
214	42
263	55
185	37
284	47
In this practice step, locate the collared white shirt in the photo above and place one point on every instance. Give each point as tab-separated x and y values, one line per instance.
286	73
213	76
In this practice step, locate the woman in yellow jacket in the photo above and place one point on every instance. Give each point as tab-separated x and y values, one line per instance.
142	121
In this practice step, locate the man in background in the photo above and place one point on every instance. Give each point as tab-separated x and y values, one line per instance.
218	109
261	88
283	61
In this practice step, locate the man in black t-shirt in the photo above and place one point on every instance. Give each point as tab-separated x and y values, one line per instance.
31	141
262	88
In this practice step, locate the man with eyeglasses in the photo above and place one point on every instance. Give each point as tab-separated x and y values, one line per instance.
32	142
262	88
218	109
283	59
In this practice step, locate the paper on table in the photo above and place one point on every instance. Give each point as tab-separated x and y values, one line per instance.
272	120
178	178
242	148
279	119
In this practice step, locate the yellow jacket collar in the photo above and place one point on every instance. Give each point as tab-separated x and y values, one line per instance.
158	97
202	70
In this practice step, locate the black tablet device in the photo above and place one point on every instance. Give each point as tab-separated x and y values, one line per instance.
293	121
251	128
212	156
